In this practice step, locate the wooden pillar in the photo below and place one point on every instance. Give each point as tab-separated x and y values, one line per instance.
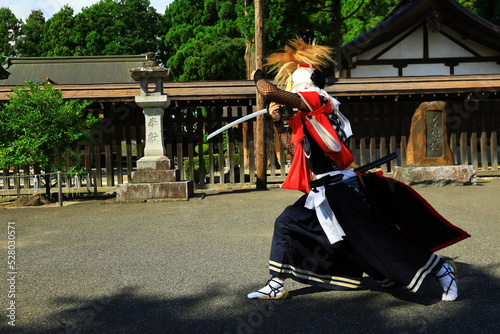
261	120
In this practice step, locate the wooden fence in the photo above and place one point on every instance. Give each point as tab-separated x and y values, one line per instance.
65	185
228	159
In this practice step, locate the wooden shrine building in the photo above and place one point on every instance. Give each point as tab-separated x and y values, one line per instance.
424	50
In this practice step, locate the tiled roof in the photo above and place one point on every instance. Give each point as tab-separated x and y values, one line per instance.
72	70
412	12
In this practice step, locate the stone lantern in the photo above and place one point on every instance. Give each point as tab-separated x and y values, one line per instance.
154	177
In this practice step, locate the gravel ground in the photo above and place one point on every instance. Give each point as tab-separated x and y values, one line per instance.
186	267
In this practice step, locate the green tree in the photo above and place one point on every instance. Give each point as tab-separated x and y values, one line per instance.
9	30
58	34
36	123
487	9
204	41
118	27
362	15
27	44
199	32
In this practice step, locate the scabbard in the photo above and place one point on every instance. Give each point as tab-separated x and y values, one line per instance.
329	179
376	163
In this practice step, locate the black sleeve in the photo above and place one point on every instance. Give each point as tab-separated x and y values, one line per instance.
259	75
273	93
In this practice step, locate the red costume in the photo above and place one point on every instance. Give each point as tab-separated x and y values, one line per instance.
375	225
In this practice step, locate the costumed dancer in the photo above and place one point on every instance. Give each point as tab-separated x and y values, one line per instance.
364	223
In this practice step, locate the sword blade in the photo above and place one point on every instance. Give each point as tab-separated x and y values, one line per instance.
238	121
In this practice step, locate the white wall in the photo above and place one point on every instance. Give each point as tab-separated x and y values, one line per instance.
412	47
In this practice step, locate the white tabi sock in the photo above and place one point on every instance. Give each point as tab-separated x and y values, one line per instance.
446	278
274	289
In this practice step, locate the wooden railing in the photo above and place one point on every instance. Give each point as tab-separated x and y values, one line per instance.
21	182
228	158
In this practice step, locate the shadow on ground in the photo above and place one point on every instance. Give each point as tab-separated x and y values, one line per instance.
309	310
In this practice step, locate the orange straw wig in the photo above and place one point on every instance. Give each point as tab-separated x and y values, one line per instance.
286	60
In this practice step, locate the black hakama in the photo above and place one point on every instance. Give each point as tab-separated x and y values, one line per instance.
391	233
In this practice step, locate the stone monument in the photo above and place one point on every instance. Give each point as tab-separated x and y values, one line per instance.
154	178
429	159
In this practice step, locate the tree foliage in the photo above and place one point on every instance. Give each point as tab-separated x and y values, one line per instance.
360	16
204	40
57	39
118	27
31	35
487	9
198	32
198	39
9	30
36	122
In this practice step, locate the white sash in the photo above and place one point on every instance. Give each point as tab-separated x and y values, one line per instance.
326	217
